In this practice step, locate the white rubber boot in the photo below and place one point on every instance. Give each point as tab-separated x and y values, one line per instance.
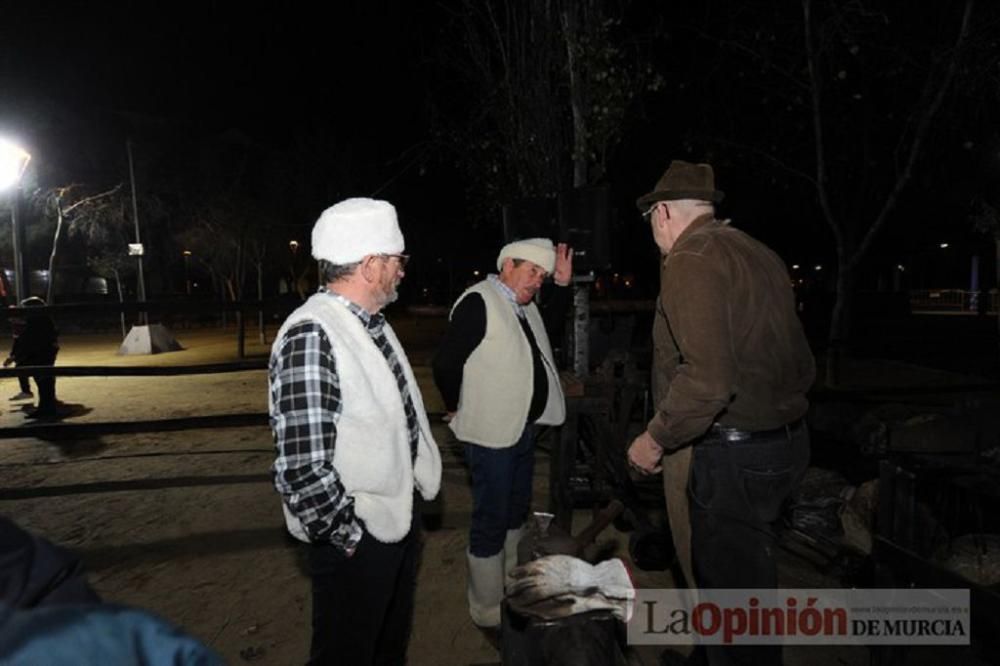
485	588
510	552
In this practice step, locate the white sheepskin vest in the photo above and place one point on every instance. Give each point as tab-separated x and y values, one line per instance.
498	379
372	451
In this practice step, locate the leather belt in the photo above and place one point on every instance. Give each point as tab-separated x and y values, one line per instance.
729	434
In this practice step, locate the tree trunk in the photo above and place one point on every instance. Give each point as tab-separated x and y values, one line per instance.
840	325
260	299
49	292
576	98
996	242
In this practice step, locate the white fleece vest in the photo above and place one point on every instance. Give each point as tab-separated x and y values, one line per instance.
498	378
372	451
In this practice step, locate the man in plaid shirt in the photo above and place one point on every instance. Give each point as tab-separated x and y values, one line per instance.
354	447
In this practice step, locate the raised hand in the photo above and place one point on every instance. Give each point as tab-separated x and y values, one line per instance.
562	274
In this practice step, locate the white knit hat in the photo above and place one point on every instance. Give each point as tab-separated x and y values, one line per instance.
536	250
348	231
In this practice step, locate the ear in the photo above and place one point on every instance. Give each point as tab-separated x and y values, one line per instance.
368	269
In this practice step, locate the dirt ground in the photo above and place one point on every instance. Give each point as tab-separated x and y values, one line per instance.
187	525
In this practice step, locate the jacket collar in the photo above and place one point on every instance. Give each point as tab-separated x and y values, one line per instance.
698	223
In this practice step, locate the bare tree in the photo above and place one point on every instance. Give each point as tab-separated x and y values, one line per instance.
55	201
850	249
835	108
553	81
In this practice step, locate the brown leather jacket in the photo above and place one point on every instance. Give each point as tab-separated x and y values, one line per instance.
728	344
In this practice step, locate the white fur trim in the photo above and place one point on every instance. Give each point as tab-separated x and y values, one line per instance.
536	250
348	231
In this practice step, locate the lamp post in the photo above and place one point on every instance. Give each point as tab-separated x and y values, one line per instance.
13	161
187	273
293	263
144	315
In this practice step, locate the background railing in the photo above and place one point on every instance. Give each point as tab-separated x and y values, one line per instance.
956	301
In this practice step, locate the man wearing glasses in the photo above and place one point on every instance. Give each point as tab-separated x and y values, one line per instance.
354	447
498	378
731	369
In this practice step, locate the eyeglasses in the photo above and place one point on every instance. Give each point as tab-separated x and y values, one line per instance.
403	259
648	214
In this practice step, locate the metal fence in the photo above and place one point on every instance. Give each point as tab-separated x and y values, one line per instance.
954	301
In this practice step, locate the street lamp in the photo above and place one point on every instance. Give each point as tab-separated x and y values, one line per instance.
187	273
13	161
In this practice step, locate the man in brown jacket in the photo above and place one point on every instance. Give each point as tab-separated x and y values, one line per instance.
730	373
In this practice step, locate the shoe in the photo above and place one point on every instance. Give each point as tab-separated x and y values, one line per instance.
23	395
42	414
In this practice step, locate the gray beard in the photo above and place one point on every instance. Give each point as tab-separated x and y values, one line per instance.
385	299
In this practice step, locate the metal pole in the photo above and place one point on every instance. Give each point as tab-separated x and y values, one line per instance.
581	324
135	218
18	257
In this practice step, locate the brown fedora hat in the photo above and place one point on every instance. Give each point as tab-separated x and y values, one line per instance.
683	180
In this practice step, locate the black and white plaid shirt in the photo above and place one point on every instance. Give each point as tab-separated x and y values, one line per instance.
306	405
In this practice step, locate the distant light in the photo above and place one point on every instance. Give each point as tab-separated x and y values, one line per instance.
943	246
186	253
795	267
475	273
900	267
818	267
293	245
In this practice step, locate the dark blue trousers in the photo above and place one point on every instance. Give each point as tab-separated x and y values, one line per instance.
501	491
736	494
362	606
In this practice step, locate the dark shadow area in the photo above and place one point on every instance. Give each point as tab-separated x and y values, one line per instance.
154	454
131	485
63	411
77	448
186	547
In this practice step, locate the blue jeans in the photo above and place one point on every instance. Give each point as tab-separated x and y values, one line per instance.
736	493
501	491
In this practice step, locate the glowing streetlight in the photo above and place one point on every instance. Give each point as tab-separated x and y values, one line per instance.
943	246
13	161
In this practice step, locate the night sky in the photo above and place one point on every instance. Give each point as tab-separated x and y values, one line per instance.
362	91
213	67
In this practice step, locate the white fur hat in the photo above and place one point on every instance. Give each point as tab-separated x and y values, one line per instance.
348	231
536	250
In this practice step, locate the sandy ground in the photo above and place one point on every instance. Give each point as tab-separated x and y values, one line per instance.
187	525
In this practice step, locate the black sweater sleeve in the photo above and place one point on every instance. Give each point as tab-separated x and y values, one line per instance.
465	331
555	303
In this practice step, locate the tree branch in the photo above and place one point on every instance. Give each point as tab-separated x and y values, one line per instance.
918	138
92	198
